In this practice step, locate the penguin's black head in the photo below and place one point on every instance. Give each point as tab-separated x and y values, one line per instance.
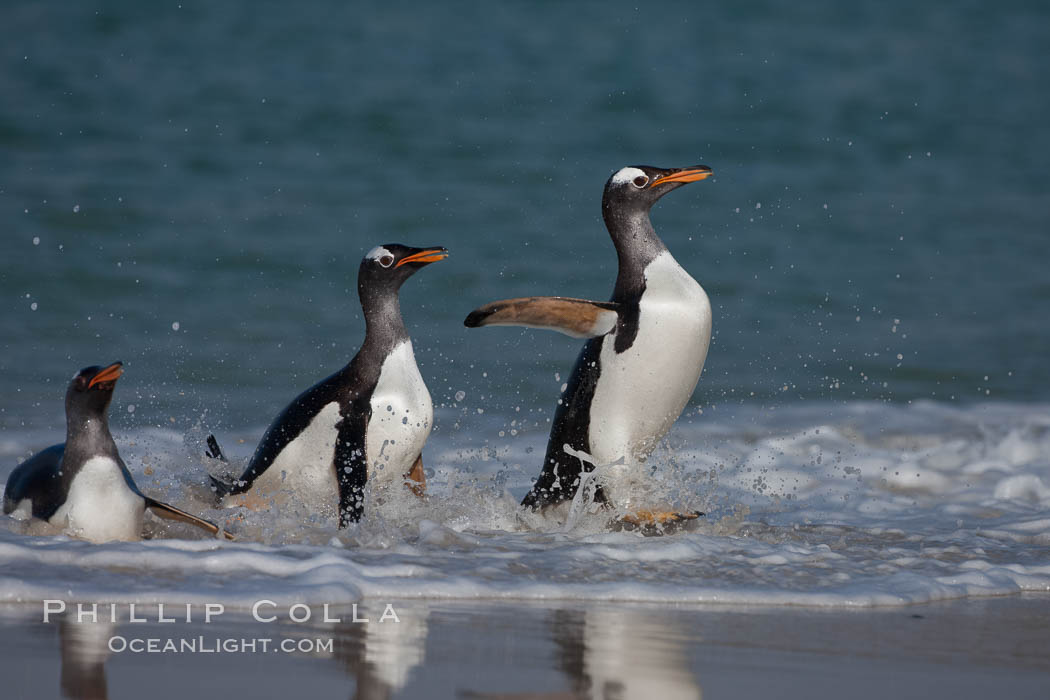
386	267
92	387
637	187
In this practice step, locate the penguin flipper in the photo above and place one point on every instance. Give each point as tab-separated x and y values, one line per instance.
168	512
351	464
577	318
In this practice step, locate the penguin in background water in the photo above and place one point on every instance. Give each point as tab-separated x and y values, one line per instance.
368	421
645	350
83	484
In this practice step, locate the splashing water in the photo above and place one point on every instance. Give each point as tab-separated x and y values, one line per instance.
861	505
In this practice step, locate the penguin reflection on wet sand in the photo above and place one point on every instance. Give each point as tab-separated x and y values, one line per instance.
82	484
598	650
368	421
635	374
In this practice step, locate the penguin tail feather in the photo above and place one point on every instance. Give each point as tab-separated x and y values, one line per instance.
214	450
577	318
221	487
169	512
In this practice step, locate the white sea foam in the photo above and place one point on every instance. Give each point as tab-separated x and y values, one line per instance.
856	505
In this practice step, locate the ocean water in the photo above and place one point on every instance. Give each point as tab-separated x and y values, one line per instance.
190	187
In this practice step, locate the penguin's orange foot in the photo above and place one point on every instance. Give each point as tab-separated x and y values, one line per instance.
651	523
250	501
416	479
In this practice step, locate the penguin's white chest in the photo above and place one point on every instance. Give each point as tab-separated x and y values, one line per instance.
641	391
305	467
402	417
100	506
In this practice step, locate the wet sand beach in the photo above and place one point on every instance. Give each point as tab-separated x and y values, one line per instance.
960	649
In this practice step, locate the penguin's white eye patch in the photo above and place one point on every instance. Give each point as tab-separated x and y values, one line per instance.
381	255
635	176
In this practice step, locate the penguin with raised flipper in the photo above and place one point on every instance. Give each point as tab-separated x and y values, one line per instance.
645	350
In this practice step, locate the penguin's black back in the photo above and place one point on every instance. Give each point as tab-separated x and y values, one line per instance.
39	479
572	421
351	387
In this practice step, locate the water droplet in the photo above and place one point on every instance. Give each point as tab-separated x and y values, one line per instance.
460	395
175	326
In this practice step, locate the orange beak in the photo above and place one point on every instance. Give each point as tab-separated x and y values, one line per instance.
693	174
109	374
425	256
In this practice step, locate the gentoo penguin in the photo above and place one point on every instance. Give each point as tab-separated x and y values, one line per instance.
646	348
367	421
83	484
